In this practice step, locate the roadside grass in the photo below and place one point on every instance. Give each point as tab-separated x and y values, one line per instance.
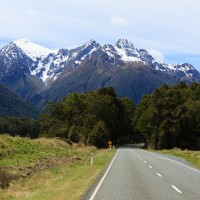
15	150
191	156
61	182
65	180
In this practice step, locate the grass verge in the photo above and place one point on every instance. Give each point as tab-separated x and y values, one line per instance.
65	180
191	156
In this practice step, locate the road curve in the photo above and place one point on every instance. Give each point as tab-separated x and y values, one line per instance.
136	174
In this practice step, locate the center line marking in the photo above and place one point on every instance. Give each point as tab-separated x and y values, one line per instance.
150	166
145	162
159	174
176	189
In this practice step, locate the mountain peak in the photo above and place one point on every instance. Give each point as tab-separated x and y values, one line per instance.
91	43
127	51
124	44
31	49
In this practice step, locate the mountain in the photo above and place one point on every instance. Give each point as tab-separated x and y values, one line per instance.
16	62
13	105
38	74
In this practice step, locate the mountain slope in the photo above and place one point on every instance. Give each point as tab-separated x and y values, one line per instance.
13	105
131	80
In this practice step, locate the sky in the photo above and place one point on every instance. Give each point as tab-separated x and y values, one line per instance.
168	29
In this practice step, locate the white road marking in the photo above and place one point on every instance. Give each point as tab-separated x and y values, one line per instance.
174	161
104	176
150	166
159	174
176	189
141	158
145	162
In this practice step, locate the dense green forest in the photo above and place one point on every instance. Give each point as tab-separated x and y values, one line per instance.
92	118
168	118
19	126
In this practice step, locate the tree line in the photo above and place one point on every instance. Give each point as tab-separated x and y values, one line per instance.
20	126
167	118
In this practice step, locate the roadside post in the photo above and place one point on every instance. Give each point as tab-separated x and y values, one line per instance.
91	159
110	144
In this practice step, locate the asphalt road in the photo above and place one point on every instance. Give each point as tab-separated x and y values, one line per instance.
135	174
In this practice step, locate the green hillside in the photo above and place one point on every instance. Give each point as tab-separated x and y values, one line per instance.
13	105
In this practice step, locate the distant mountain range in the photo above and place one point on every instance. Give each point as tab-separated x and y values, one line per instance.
39	74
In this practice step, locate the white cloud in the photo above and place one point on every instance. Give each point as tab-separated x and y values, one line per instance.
159	57
119	21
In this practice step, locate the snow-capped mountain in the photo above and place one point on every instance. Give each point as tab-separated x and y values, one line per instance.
33	50
48	64
30	68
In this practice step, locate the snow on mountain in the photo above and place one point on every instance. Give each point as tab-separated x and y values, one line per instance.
146	56
48	64
79	54
33	50
11	54
127	51
181	72
123	50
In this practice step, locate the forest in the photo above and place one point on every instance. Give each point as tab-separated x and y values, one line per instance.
92	118
167	118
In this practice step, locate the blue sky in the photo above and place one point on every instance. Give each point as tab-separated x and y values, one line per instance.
169	29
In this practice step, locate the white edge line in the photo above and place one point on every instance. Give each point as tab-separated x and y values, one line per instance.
174	162
104	176
159	174
176	189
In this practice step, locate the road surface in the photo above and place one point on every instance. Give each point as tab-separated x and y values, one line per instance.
135	174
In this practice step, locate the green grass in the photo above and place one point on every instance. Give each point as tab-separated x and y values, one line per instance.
17	151
61	182
68	180
191	156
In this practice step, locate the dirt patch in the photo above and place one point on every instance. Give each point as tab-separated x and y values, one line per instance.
42	164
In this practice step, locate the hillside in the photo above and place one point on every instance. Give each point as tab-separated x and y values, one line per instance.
13	105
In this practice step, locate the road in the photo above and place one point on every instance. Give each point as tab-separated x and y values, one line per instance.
136	174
